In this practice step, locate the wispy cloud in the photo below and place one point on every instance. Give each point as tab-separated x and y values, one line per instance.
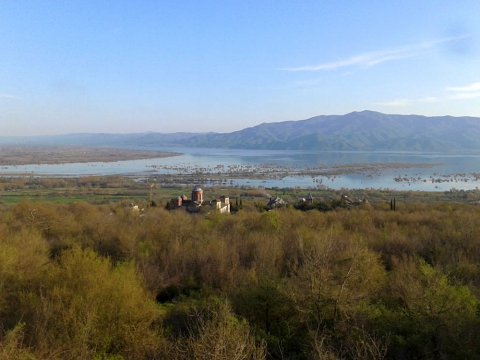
469	91
464	96
463	92
407	102
9	97
465	88
373	58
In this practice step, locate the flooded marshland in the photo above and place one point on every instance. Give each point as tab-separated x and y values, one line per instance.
268	168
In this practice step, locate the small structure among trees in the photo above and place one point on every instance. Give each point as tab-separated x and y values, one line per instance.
197	194
344	202
276	202
198	204
349	202
223	205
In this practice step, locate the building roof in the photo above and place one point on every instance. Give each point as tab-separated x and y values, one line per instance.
275	202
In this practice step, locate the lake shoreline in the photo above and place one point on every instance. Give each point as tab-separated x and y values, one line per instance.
265	169
43	155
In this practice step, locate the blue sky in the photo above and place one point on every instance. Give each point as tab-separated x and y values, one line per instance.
134	66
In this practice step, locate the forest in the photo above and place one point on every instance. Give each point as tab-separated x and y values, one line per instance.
98	281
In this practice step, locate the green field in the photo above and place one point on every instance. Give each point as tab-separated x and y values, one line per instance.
104	190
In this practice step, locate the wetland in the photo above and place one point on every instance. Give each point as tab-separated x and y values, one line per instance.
257	168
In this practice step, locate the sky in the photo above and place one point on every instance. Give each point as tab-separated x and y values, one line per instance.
166	66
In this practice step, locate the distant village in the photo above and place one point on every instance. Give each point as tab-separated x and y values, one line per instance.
198	203
223	205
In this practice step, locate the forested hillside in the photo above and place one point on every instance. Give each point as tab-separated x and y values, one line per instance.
100	282
363	130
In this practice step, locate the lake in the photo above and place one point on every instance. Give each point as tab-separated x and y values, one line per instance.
425	171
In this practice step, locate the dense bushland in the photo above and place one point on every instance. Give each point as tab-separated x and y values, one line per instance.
87	281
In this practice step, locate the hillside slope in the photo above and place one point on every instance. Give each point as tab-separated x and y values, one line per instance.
365	130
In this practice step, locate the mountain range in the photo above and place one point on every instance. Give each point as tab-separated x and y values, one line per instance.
364	130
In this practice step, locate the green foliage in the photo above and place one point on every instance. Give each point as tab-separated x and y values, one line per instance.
81	280
11	347
320	205
215	333
23	267
271	312
433	317
92	306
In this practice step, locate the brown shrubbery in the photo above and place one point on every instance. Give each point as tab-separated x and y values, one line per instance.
87	281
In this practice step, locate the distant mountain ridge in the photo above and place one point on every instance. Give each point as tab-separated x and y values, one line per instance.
364	130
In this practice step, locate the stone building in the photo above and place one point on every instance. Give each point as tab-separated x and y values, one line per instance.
198	203
197	194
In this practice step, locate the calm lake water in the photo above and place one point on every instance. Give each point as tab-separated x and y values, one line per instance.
447	171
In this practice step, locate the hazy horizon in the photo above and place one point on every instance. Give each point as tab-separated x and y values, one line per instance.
213	130
124	67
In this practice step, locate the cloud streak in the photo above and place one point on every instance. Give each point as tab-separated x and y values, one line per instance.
469	91
463	92
465	88
374	58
